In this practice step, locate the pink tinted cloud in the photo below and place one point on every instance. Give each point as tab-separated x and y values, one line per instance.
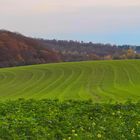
60	5
65	16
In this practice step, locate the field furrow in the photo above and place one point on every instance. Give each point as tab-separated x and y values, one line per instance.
96	80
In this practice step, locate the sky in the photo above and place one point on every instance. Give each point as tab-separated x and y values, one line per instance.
99	21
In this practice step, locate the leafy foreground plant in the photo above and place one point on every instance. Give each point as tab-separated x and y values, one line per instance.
68	120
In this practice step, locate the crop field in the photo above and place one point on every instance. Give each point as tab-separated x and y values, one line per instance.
99	81
68	120
71	101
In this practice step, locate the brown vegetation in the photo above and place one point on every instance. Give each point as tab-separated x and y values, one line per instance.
16	49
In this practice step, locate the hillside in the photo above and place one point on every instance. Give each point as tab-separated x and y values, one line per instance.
72	51
99	81
16	49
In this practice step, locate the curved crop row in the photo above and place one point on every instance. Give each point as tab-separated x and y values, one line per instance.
98	80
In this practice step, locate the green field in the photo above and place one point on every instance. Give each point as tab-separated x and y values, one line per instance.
98	80
68	120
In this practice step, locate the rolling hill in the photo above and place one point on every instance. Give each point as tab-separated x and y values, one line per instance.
16	49
19	50
98	80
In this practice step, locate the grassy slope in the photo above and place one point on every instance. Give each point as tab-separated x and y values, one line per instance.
99	80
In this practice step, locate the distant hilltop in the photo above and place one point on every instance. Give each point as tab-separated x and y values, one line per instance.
17	49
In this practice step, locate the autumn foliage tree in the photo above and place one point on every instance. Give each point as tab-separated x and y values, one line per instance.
16	49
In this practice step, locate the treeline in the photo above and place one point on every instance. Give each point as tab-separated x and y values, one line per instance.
79	51
16	50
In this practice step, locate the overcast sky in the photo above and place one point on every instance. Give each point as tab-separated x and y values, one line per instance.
104	21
